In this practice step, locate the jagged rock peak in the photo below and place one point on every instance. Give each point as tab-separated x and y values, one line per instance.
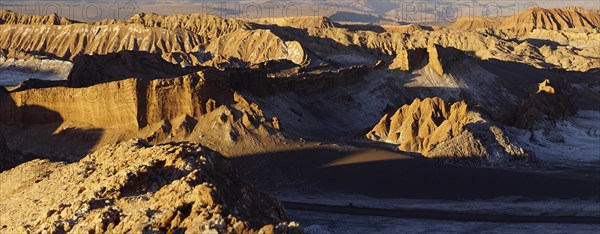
549	101
134	187
298	22
9	17
206	25
435	128
535	18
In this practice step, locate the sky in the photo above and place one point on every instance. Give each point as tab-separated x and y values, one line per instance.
390	10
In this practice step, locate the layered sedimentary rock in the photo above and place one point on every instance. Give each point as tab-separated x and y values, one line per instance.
9	17
133	187
69	41
201	107
437	129
127	104
547	102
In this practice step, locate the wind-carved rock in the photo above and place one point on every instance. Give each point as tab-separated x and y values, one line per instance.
439	58
437	129
9	17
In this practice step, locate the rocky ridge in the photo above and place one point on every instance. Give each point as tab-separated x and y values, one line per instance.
134	187
440	130
9	17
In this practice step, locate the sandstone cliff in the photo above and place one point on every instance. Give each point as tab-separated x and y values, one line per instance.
132	187
437	129
202	107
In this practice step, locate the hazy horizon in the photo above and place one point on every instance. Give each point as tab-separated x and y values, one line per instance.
362	11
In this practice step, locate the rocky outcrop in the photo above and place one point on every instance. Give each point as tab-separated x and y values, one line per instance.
133	187
205	25
297	22
520	25
126	104
439	58
552	19
201	107
475	23
67	42
9	17
94	69
547	102
410	59
258	46
437	129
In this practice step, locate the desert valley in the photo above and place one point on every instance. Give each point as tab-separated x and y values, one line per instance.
194	123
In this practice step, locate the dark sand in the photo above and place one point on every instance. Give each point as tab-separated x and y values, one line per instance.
383	174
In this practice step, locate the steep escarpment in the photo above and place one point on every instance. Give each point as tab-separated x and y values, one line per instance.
201	107
9	17
134	187
69	41
437	129
549	101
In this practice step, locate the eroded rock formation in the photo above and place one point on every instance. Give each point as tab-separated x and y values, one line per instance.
437	129
9	17
547	102
133	187
69	41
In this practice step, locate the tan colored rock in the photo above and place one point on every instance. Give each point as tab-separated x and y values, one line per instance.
132	187
69	41
297	22
9	17
436	129
475	23
258	46
205	25
552	19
